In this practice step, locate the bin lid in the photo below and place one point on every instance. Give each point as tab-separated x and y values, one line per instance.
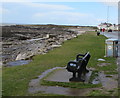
111	40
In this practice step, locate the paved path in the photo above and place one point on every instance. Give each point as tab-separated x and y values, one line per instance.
115	35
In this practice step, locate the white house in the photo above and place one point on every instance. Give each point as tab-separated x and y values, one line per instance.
107	26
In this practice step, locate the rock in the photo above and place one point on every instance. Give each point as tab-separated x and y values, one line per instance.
52	35
20	57
22	37
21	42
101	59
23	56
56	46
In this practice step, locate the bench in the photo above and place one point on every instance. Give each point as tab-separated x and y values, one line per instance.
78	66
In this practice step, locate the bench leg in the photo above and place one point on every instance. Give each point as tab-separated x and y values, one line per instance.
86	70
74	74
74	77
79	77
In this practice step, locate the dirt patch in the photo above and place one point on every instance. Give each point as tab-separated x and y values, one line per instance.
103	64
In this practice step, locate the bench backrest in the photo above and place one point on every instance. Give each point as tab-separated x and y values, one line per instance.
86	58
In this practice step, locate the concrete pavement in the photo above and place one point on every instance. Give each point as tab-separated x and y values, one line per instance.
115	35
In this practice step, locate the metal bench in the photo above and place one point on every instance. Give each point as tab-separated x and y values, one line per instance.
78	66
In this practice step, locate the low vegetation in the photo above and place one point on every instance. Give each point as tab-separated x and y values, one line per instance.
109	93
70	84
16	79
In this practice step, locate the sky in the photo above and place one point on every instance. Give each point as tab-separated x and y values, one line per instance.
59	13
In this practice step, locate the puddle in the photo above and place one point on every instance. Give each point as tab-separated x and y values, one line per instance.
96	81
110	76
18	62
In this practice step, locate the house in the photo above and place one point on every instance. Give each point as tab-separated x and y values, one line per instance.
107	26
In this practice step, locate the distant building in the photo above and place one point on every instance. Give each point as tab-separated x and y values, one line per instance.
107	26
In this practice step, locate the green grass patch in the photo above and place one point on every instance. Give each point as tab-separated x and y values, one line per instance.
97	93
69	84
109	69
109	93
111	72
16	79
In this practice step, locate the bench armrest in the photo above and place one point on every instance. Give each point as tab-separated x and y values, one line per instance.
72	66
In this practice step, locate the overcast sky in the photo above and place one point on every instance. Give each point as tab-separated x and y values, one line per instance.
61	13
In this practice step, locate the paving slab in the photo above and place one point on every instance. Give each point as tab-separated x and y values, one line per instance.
62	75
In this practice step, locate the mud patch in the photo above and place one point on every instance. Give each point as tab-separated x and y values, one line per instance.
103	64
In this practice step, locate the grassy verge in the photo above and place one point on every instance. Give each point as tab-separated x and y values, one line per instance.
104	93
70	84
17	78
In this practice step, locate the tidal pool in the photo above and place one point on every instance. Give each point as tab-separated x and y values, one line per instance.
18	62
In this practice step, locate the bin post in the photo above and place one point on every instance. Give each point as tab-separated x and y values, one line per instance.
118	48
111	49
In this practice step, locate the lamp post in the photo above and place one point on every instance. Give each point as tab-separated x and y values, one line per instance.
107	16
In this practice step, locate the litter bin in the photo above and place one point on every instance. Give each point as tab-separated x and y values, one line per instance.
111	48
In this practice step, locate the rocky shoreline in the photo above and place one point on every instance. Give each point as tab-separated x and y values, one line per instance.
22	42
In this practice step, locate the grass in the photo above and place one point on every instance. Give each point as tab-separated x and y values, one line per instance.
16	79
109	69
70	84
0	82
109	93
97	93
